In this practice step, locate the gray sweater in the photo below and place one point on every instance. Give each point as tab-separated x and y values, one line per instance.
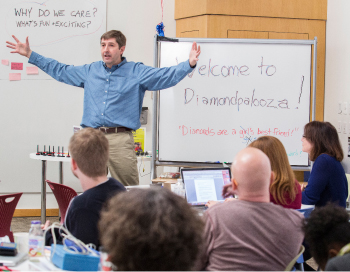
242	235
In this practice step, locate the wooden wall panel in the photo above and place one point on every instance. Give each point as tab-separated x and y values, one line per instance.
199	23
190	34
299	175
297	9
243	34
189	8
289	35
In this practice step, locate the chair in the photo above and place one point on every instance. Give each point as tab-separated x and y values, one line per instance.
292	263
7	209
306	211
348	179
63	195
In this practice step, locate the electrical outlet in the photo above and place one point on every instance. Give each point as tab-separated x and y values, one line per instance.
339	108
345	108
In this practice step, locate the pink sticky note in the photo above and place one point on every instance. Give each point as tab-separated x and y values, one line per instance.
16	66
32	70
5	62
14	76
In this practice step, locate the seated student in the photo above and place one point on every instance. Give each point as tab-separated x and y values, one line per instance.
327	232
327	181
89	156
285	189
151	229
251	233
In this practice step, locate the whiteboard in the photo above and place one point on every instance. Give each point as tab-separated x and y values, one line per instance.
38	110
236	93
67	30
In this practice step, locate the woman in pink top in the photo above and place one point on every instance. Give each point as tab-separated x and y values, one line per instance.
285	189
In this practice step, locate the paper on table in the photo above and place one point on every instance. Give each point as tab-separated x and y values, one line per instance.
14	76
5	62
32	70
16	66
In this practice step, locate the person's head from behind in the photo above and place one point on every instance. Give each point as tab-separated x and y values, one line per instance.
321	137
327	230
89	150
113	45
151	229
284	176
251	175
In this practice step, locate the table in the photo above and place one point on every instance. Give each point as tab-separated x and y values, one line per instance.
36	264
163	180
44	160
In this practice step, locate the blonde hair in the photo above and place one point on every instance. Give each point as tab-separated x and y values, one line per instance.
284	176
89	148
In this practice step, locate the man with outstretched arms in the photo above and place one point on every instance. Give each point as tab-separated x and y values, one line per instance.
113	94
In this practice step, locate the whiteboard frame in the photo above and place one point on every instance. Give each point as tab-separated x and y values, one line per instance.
155	160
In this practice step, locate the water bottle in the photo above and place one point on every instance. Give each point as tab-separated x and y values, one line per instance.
36	239
182	191
179	188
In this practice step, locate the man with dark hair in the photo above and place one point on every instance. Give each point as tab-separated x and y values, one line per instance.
250	233
151	229
114	91
327	232
89	156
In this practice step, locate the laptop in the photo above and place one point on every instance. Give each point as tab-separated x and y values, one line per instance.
204	184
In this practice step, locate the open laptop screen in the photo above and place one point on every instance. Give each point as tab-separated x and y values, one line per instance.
206	184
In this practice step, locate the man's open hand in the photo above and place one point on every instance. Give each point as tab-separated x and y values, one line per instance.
19	47
194	54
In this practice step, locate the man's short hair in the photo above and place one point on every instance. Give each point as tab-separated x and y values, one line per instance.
89	148
117	35
326	228
151	229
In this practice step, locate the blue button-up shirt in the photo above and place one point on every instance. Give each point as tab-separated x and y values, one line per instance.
112	97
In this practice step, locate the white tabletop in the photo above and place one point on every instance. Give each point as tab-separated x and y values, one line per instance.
36	264
48	158
65	159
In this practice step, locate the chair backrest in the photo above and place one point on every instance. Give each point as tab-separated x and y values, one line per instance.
8	205
63	195
348	178
299	261
292	262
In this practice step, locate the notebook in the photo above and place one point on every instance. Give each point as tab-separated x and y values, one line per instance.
205	184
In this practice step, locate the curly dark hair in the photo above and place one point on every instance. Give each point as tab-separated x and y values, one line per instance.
151	229
326	228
